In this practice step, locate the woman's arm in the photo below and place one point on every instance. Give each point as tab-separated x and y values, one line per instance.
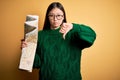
81	35
37	60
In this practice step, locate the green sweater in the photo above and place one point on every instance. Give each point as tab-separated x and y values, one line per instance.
58	58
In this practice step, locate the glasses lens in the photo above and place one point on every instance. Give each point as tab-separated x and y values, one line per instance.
55	16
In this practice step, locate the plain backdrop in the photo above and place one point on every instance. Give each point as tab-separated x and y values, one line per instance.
99	62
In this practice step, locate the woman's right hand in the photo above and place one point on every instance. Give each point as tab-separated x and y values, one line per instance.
23	43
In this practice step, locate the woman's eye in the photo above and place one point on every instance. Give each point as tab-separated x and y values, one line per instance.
58	15
51	15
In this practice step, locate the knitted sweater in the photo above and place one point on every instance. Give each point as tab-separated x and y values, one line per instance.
58	58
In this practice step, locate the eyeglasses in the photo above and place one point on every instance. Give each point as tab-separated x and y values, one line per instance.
58	17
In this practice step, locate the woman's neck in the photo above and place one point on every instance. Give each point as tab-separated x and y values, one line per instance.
53	28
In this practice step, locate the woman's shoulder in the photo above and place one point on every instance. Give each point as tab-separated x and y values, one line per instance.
41	35
42	32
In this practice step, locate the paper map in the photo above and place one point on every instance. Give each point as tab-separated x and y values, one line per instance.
31	35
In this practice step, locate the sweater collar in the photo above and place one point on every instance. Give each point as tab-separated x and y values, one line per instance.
54	31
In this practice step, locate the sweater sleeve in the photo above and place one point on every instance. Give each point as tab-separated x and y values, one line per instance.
37	61
81	35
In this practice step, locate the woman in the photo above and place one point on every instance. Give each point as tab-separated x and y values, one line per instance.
58	53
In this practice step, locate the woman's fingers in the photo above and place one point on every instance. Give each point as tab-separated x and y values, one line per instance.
65	28
23	43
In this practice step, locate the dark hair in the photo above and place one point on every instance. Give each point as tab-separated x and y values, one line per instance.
50	7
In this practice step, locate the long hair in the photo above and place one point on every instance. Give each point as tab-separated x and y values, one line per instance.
50	7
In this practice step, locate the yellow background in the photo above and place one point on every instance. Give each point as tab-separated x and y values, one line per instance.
99	62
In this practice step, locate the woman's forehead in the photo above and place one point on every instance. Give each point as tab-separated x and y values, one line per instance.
56	11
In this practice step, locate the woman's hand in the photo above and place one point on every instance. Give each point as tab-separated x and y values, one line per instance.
23	43
65	28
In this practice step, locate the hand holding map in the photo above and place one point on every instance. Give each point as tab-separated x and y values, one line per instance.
30	35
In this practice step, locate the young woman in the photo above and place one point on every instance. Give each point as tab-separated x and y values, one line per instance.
58	54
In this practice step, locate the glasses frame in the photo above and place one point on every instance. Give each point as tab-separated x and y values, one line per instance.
58	17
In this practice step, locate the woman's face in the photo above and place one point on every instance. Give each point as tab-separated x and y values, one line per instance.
56	17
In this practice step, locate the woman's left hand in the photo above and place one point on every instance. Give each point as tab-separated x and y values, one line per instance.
65	28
